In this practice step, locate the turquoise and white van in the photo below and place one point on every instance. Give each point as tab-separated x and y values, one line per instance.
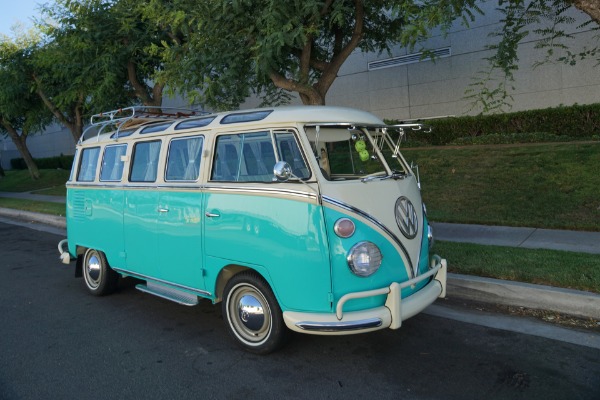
296	218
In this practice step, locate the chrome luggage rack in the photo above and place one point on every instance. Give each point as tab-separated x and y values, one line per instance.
134	117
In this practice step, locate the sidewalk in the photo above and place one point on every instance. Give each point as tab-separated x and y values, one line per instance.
577	303
531	238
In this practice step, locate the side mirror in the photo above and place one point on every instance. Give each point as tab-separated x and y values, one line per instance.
282	171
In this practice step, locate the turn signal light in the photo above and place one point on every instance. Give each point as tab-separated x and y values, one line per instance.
344	228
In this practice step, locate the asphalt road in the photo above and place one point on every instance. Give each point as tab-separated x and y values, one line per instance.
58	342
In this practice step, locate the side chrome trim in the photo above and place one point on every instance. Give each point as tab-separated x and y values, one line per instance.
202	293
381	226
133	186
209	188
261	190
340	326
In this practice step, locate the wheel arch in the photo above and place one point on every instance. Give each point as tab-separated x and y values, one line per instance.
80	252
231	270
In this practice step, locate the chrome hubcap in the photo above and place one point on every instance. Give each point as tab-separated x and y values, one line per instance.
251	312
93	271
94	268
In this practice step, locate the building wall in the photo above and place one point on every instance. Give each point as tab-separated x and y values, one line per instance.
437	88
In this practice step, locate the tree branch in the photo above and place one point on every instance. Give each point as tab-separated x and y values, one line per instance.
338	59
308	94
142	90
52	107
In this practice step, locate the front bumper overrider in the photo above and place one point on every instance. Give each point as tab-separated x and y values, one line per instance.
391	315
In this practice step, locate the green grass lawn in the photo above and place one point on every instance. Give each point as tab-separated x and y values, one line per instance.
555	185
20	181
35	206
548	267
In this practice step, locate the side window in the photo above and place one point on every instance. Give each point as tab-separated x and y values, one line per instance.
145	161
73	166
112	165
246	157
183	163
88	164
290	152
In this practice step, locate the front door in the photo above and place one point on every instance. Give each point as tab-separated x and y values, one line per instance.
141	210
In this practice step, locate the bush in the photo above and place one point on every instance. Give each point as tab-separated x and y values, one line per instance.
59	162
17	163
576	122
510	138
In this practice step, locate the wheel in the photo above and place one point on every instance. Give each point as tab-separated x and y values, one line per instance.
99	278
253	316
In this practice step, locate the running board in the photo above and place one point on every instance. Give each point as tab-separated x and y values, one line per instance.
169	293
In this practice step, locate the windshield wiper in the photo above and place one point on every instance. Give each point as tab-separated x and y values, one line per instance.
395	175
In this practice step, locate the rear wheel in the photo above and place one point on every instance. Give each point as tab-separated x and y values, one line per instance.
252	313
99	278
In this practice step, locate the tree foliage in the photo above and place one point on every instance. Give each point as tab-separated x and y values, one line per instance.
78	69
220	51
21	110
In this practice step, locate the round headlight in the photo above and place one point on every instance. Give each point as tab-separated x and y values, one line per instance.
364	259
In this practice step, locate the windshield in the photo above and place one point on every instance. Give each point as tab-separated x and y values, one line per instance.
346	153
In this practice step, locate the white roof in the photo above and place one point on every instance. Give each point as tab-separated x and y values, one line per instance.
312	115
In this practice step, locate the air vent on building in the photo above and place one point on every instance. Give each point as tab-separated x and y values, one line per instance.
409	59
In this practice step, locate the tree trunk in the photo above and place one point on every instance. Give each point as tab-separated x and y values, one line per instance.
590	7
315	94
20	142
151	97
312	99
2	174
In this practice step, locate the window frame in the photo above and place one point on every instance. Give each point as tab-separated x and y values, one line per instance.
132	164
102	162
166	170
272	132
81	158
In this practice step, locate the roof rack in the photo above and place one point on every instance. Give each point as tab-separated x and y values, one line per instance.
133	117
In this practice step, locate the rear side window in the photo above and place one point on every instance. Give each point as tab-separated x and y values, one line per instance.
88	164
246	157
145	161
183	163
74	166
112	164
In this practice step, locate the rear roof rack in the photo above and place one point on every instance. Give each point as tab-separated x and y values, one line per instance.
134	117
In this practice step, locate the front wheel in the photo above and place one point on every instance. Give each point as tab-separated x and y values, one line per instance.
253	316
99	278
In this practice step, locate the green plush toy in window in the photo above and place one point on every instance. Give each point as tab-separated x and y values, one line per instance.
361	148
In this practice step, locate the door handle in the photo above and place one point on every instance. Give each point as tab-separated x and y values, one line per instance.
211	215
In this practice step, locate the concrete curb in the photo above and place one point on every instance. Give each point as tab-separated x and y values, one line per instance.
487	290
52	220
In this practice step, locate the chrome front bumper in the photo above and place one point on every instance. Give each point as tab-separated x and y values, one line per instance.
390	315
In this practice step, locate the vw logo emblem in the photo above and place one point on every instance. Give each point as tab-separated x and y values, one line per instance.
406	217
